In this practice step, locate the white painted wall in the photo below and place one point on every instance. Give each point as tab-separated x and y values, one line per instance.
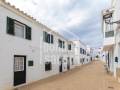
114	50
78	55
12	45
35	50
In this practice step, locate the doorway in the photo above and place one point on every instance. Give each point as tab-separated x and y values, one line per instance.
68	63
19	70
60	65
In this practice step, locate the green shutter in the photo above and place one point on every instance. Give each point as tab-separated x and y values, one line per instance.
63	44
10	26
48	38
43	35
28	33
52	38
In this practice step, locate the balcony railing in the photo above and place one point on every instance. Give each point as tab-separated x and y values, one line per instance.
109	34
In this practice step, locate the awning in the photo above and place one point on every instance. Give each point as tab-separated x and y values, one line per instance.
108	47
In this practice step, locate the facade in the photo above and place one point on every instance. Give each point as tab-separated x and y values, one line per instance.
89	54
82	53
111	32
30	51
99	54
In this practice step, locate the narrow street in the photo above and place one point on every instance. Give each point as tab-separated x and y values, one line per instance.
88	77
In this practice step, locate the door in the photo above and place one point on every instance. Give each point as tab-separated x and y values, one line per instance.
108	60
60	65
68	63
19	70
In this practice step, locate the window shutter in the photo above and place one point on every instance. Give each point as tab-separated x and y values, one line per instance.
52	38
44	36
63	44
48	38
10	26
28	32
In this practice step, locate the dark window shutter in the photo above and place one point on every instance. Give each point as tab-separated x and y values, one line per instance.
10	26
63	44
52	38
44	34
28	33
48	38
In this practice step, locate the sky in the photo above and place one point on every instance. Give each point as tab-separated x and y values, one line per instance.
73	19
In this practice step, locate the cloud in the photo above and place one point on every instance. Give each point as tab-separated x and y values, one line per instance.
74	19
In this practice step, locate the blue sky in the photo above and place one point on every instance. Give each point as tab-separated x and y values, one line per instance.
74	19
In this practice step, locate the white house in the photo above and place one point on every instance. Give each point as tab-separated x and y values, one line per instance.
82	53
89	54
29	50
21	38
111	33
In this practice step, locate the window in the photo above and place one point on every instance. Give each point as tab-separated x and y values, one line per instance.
69	47
48	38
48	66
18	29
19	64
30	63
88	54
60	43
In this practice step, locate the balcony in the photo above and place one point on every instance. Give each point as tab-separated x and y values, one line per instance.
109	34
109	40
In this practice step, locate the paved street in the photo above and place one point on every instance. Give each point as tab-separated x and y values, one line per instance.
88	77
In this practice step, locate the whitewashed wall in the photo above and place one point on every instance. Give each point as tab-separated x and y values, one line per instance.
12	45
35	49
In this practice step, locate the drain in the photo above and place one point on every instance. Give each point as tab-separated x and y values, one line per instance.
111	87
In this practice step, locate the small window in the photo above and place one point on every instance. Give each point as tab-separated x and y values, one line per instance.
48	66
30	63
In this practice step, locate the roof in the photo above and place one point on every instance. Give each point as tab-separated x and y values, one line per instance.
81	42
25	15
